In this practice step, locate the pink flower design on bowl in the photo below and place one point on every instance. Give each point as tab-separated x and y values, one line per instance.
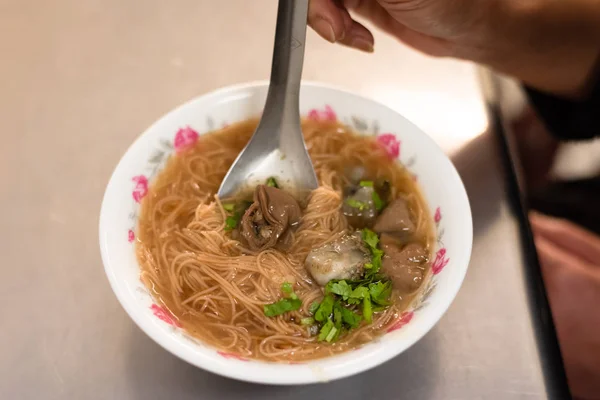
440	261
164	315
141	187
327	114
130	236
185	138
390	144
438	215
405	318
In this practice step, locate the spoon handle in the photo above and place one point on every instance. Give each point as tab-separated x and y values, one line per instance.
288	57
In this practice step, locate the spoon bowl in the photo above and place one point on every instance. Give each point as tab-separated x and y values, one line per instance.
277	147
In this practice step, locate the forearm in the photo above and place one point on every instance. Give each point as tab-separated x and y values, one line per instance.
551	45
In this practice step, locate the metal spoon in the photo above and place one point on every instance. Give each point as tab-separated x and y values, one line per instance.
277	148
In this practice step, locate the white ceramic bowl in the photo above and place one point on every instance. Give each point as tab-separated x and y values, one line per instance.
437	176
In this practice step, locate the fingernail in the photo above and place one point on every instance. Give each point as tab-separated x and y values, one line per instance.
362	44
325	29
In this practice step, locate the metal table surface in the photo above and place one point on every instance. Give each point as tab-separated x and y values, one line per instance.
81	79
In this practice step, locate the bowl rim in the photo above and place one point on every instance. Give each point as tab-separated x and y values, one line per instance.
225	367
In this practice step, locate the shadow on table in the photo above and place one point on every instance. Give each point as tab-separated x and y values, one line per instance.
154	373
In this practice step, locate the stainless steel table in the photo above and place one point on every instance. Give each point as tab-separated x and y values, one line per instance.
81	79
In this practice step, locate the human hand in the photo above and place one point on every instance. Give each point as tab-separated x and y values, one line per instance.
551	45
438	28
570	262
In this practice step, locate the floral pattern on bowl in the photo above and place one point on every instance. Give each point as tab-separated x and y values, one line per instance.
182	127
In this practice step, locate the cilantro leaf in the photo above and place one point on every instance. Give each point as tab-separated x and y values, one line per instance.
340	288
354	301
286	287
366	183
375	289
348	302
228	207
360	205
376	262
380	292
281	307
351	318
325	309
370	238
359	293
337	314
272	183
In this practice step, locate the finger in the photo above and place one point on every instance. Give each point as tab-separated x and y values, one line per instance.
568	236
380	17
327	19
359	37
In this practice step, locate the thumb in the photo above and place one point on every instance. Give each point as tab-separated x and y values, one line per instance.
333	23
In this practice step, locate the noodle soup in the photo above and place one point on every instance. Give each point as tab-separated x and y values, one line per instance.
335	274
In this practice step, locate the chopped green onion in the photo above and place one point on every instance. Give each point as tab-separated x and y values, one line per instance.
367	310
356	204
377	202
229	207
331	334
337	314
231	222
307	321
325	330
286	287
366	183
272	183
314	307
